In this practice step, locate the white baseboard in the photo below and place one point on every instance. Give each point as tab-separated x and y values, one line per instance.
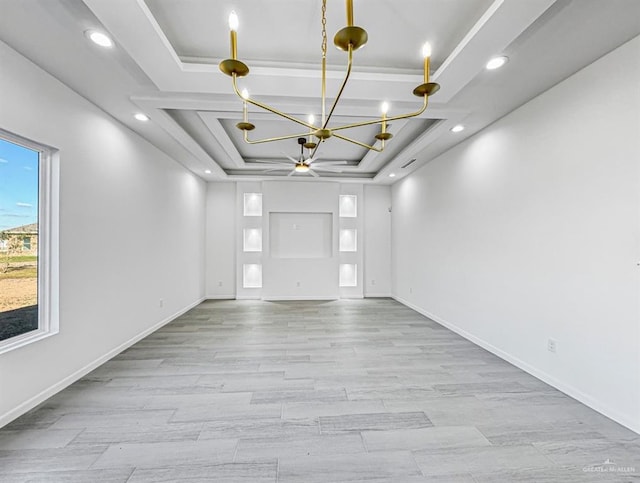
221	297
377	295
568	389
283	298
29	404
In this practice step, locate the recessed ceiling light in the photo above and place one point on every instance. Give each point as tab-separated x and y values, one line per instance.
392	175
457	128
207	171
497	62
99	38
141	117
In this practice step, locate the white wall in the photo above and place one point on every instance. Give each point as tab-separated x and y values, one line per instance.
529	230
225	224
131	233
377	241
301	278
221	241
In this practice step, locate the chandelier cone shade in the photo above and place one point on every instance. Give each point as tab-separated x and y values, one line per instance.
348	39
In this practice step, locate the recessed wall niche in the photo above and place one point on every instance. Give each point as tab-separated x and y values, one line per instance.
253	204
348	206
252	239
348	275
348	240
252	275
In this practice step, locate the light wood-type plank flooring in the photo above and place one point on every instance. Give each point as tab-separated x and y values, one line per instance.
351	390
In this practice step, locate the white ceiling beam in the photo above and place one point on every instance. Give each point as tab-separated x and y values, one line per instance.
166	122
500	25
230	107
213	124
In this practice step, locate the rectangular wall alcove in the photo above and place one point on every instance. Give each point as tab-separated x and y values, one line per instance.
301	235
252	275
348	275
348	206
252	239
253	204
348	240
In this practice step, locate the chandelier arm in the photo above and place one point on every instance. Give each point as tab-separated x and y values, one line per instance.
388	119
270	109
313	153
344	84
364	145
270	140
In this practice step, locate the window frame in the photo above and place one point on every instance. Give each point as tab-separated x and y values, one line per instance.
48	244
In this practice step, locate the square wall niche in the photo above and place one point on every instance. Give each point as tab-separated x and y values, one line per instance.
252	275
253	204
348	206
252	239
348	275
348	240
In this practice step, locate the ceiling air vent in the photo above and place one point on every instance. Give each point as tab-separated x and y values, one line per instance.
409	163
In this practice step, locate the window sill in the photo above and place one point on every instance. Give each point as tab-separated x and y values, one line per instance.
25	339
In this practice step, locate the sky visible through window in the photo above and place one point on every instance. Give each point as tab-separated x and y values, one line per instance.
18	240
18	185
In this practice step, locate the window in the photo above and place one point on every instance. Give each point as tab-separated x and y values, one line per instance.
28	241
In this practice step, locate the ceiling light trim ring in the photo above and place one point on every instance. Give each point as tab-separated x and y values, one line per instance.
99	38
496	62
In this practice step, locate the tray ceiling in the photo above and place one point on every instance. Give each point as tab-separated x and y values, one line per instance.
166	52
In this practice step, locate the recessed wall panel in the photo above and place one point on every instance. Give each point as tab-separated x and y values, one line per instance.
300	235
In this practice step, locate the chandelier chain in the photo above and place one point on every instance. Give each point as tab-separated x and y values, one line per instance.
324	29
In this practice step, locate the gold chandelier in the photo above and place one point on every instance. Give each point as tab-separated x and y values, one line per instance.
349	39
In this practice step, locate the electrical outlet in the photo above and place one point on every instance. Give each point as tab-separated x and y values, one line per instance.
373	282
220	283
551	345
297	284
161	304
410	289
